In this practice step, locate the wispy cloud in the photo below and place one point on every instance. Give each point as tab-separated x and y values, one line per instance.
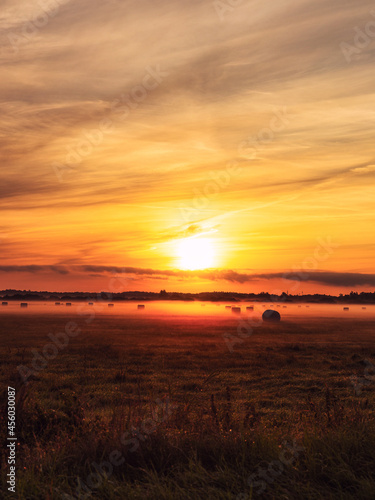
33	269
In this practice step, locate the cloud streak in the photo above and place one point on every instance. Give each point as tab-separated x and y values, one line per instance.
34	269
329	278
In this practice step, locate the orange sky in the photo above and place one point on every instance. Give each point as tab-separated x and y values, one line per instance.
129	127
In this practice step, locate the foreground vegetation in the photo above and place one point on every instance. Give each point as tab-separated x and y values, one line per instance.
142	408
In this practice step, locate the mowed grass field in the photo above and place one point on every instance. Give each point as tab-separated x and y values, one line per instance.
152	407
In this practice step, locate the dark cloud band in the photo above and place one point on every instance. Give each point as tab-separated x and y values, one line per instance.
321	277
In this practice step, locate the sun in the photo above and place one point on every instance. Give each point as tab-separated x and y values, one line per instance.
196	253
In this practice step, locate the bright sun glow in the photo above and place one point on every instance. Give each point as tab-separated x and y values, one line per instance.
196	253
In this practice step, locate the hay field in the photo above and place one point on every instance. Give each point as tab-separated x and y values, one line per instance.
156	406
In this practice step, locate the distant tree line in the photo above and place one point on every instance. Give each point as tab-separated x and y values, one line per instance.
215	296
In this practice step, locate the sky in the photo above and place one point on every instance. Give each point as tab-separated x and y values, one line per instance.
187	146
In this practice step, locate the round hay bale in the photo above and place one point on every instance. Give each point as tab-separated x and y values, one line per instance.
140	306
346	308
4	303
24	304
236	310
250	308
271	315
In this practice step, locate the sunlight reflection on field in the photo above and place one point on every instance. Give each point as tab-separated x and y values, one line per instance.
288	311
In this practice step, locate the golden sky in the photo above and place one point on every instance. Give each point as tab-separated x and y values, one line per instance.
189	145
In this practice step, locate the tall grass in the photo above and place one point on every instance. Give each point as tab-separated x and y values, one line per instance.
197	422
